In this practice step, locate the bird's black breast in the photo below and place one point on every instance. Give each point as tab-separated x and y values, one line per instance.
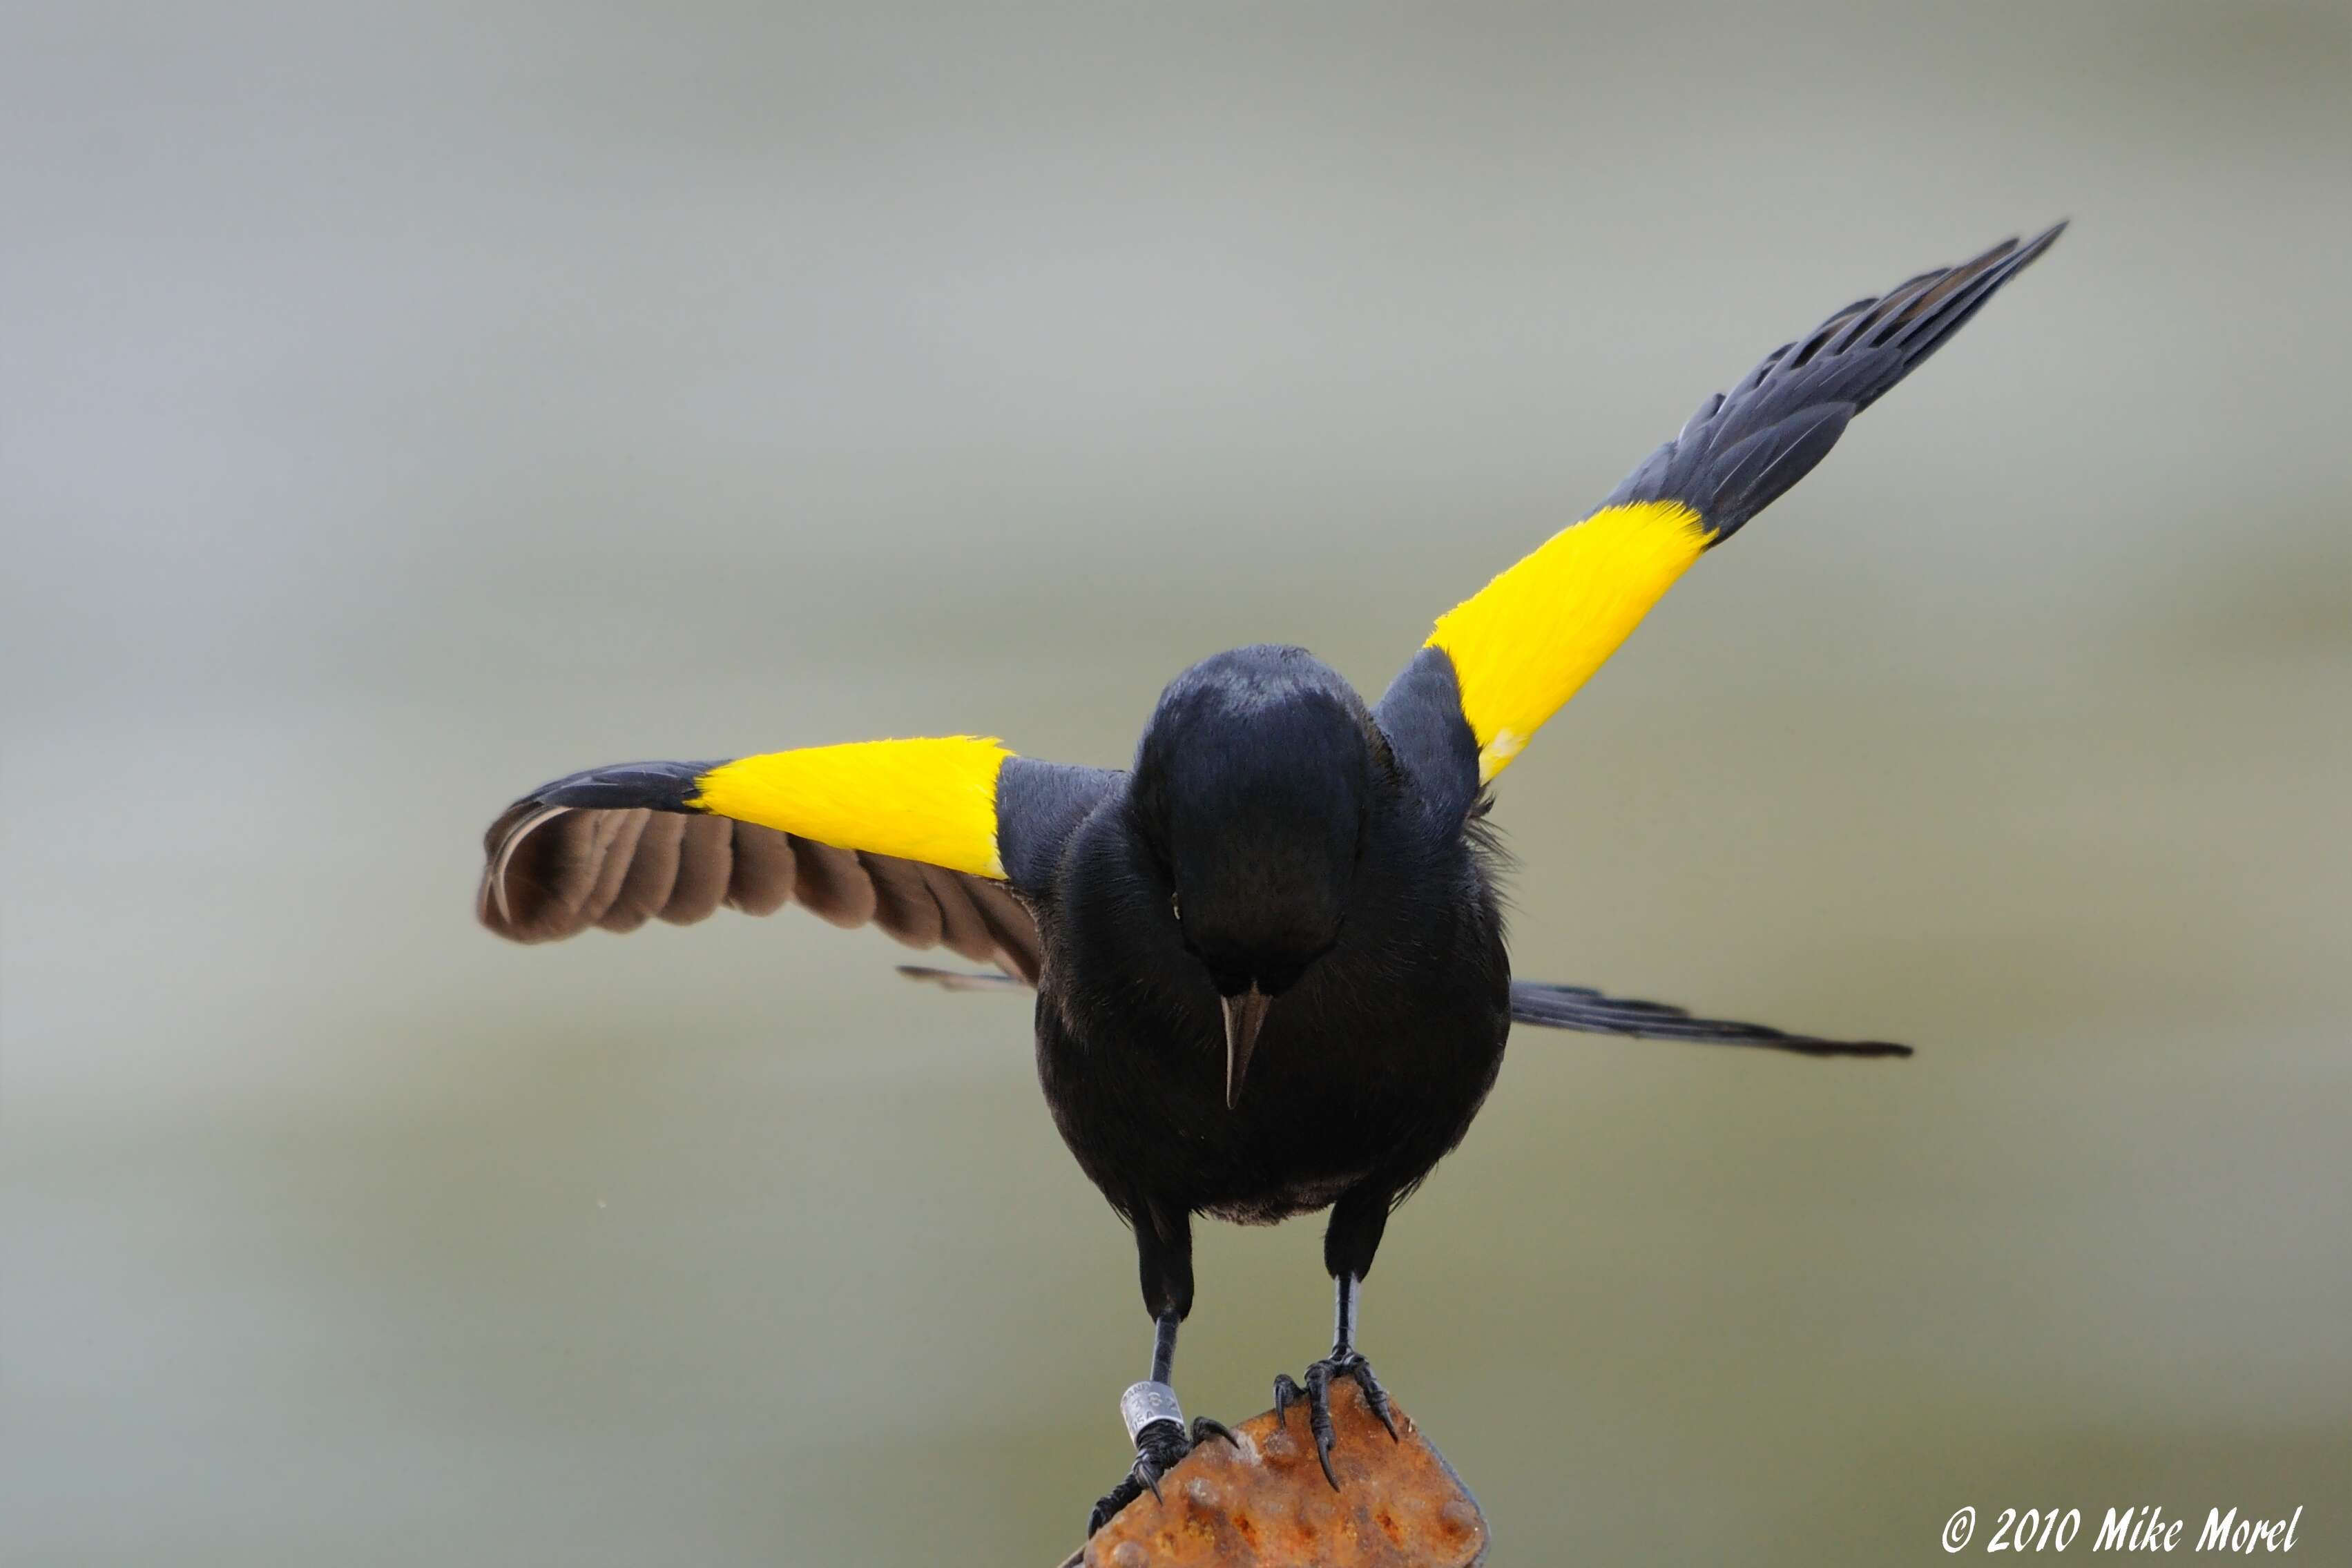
1370	1068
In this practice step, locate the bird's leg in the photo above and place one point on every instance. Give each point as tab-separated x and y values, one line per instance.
1357	1221
1345	1361
1155	1423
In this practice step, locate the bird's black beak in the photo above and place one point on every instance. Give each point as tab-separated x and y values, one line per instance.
1244	1016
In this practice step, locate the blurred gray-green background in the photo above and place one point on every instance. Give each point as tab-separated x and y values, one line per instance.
401	405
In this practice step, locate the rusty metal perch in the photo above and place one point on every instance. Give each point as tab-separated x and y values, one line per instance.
1263	1503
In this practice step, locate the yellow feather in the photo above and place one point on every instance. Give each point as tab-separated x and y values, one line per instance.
932	799
1527	641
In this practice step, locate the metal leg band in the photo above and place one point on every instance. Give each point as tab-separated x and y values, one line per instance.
1145	1402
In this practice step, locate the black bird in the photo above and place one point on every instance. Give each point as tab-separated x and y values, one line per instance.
1270	968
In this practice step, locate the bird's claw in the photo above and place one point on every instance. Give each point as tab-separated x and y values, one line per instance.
1157	1447
1204	1428
1317	1396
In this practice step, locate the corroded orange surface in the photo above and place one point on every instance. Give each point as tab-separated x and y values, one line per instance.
1266	1504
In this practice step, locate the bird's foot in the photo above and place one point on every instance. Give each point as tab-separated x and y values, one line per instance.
1317	1396
1157	1447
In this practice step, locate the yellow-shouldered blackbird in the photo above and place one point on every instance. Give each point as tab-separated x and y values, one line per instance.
1270	969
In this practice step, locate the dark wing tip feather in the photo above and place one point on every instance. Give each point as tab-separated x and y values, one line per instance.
1744	449
1583	1008
658	786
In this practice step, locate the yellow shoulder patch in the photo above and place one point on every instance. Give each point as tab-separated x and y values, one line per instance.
1527	641
932	800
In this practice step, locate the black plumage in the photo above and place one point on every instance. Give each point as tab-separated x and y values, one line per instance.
1269	959
1743	449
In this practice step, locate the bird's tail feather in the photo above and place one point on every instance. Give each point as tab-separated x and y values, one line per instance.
1583	1008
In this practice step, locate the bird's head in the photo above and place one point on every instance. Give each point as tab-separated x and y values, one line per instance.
1251	791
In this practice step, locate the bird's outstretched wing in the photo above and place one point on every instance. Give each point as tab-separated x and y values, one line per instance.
1583	1008
1501	662
937	841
